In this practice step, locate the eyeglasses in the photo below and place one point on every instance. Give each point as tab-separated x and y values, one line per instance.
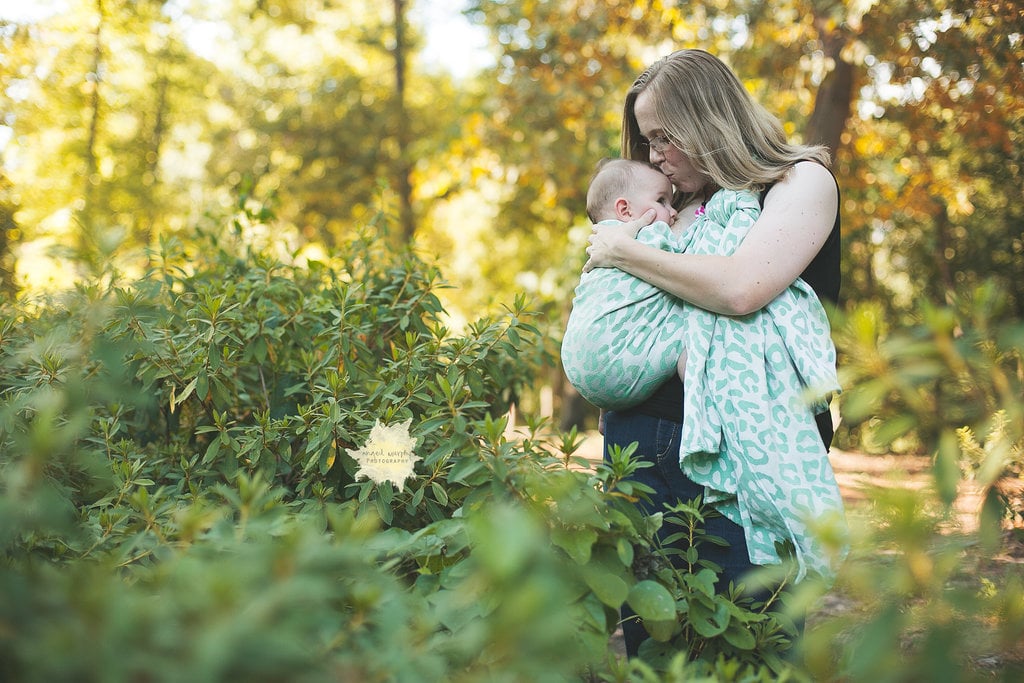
658	143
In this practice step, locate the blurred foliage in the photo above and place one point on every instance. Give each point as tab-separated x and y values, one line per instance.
912	386
934	589
179	501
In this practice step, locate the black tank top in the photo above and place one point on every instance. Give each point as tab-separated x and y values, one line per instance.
824	276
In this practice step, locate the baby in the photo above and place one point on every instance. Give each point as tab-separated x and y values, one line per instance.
623	338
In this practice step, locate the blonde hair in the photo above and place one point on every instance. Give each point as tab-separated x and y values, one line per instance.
612	179
711	118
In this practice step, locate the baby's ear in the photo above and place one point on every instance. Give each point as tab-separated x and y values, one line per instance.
622	211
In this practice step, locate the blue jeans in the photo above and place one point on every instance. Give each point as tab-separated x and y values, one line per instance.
658	443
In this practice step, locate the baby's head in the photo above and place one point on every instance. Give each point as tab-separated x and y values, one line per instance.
623	189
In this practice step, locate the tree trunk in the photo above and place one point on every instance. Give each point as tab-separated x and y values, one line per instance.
834	98
942	242
86	241
153	164
8	226
403	167
574	411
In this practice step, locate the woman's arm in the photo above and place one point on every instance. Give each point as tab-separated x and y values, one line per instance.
797	217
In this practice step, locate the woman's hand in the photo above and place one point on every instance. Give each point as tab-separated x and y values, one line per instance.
606	239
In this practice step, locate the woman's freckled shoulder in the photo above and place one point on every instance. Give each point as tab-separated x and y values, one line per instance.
804	181
800	171
809	173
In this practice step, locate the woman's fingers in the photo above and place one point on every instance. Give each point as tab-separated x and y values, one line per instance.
603	239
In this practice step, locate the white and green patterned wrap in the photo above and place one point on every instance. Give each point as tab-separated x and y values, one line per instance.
622	339
749	434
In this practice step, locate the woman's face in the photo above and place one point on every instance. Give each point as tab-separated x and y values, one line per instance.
673	163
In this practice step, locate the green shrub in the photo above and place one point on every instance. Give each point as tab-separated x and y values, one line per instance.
179	498
179	501
934	587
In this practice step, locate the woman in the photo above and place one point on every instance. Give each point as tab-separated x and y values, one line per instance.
690	116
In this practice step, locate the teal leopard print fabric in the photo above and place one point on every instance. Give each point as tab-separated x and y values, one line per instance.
622	339
753	385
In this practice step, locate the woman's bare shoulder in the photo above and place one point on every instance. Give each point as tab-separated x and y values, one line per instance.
807	187
807	175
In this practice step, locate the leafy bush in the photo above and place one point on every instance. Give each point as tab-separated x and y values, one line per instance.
933	587
179	500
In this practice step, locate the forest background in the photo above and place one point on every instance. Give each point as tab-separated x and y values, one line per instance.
126	122
206	208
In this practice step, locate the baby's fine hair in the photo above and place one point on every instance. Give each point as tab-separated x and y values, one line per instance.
612	178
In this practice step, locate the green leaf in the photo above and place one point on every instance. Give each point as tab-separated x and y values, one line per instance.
662	631
739	636
707	621
576	542
211	451
625	550
652	601
386	492
387	515
440	495
258	349
703	582
429	425
607	586
463	469
894	427
214	358
202	385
